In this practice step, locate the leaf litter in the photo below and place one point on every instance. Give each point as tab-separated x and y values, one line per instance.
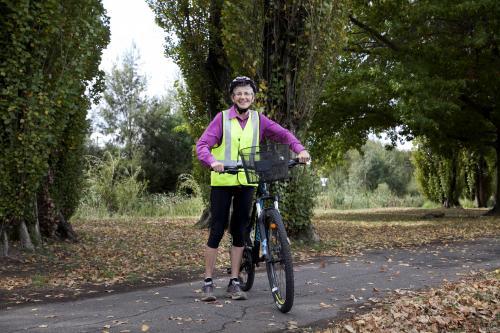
128	252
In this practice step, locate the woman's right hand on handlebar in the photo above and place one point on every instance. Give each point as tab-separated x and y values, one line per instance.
217	166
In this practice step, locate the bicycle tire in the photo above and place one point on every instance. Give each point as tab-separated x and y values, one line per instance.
280	266
247	270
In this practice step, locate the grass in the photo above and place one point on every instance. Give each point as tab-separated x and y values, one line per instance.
159	205
39	281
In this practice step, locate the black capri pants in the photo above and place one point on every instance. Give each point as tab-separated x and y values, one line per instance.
220	204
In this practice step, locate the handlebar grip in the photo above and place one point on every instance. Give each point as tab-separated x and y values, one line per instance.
233	170
295	161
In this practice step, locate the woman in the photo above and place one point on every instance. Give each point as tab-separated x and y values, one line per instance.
231	130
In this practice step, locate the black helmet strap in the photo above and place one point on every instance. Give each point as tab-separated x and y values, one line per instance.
240	110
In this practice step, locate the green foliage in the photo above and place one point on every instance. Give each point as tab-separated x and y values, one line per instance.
286	46
297	200
113	182
237	35
295	44
445	177
125	103
48	75
165	146
194	42
379	165
376	177
346	196
187	186
153	205
415	68
356	101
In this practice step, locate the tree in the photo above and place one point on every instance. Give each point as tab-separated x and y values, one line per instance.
436	59
377	165
294	44
194	41
166	146
457	172
48	73
125	103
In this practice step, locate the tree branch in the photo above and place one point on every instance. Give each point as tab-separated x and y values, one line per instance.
375	34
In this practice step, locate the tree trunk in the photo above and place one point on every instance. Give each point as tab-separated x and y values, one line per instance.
495	211
35	231
482	191
5	243
205	219
24	236
51	220
451	199
309	235
65	230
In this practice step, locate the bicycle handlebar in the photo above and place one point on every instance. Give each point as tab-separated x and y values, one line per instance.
235	169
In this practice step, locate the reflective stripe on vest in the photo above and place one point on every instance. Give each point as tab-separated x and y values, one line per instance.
234	138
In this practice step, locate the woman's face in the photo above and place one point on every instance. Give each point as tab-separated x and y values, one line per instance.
243	96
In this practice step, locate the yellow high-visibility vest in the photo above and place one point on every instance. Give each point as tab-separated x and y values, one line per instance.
234	138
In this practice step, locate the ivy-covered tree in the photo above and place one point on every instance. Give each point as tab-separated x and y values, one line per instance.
194	41
285	46
300	40
49	72
444	176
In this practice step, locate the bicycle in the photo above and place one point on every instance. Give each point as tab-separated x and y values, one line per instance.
266	233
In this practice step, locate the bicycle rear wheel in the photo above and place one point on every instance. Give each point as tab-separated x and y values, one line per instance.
279	266
247	270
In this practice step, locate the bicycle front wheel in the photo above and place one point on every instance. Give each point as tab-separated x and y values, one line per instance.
279	266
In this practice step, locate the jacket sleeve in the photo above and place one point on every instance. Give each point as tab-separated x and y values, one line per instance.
211	137
275	132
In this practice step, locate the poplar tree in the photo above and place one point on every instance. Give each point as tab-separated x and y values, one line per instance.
286	46
49	74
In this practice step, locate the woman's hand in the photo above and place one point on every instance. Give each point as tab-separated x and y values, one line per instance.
304	156
217	166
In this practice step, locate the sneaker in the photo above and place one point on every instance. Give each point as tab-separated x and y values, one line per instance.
207	292
234	291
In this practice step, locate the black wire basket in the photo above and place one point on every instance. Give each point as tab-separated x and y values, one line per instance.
265	163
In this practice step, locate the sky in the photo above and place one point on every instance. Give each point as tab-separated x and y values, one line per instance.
132	21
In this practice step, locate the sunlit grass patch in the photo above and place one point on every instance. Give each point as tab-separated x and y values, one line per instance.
38	280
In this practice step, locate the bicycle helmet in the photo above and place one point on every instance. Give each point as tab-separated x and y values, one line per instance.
242	81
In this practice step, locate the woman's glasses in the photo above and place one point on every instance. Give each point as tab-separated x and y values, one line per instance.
243	94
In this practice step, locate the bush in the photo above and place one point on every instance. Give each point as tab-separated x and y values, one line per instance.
112	184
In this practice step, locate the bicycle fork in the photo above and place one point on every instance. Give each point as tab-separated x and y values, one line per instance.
261	230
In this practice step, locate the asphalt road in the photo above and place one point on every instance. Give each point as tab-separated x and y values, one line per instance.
326	289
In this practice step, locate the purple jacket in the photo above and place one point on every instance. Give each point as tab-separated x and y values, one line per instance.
268	130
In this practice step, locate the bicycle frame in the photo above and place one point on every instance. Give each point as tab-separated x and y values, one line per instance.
262	247
262	196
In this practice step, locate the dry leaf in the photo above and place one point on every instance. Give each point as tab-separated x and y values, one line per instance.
349	329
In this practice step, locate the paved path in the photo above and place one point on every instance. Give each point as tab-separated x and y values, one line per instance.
324	289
